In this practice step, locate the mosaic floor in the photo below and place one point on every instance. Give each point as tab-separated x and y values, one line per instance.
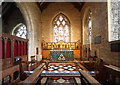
64	73
60	69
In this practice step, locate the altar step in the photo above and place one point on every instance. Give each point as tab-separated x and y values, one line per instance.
61	80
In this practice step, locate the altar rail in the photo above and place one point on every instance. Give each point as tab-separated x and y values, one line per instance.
12	47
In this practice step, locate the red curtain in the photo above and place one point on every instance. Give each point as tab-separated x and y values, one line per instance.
8	50
22	48
15	49
1	49
25	48
19	49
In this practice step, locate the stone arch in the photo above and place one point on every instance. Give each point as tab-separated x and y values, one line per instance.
85	21
60	12
16	31
31	14
85	32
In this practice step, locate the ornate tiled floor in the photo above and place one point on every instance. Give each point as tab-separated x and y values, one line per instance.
60	73
60	69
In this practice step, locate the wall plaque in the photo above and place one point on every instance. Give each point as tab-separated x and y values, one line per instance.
115	47
97	40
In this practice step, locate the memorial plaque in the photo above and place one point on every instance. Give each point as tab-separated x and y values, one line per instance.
115	47
97	40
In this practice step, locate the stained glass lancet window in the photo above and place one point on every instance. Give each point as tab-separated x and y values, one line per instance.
89	26
20	31
61	27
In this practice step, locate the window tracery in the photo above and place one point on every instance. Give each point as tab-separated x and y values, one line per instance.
61	27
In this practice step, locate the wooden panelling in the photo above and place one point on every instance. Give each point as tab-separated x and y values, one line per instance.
8	62
46	54
77	54
24	58
10	71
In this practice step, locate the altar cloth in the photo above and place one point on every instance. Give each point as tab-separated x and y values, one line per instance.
61	55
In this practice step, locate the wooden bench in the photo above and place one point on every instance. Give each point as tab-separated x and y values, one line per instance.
11	75
112	75
82	67
87	79
35	76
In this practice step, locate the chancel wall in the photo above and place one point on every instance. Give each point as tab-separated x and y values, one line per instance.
52	10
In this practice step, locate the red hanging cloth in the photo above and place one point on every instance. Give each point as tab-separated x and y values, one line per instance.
8	49
26	48
22	48
1	49
15	49
19	49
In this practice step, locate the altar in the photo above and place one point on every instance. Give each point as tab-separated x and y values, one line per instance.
61	55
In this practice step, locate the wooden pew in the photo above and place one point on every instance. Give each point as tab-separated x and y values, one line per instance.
82	67
9	74
33	63
112	75
87	79
33	78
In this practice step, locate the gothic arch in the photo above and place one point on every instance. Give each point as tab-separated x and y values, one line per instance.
32	27
20	30
85	22
61	21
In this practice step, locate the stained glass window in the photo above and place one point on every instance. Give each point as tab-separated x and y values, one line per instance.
61	27
20	31
89	26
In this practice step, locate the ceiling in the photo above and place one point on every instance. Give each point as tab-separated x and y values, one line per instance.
7	7
77	5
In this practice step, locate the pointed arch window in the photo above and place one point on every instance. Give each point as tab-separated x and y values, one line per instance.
61	28
20	31
89	26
